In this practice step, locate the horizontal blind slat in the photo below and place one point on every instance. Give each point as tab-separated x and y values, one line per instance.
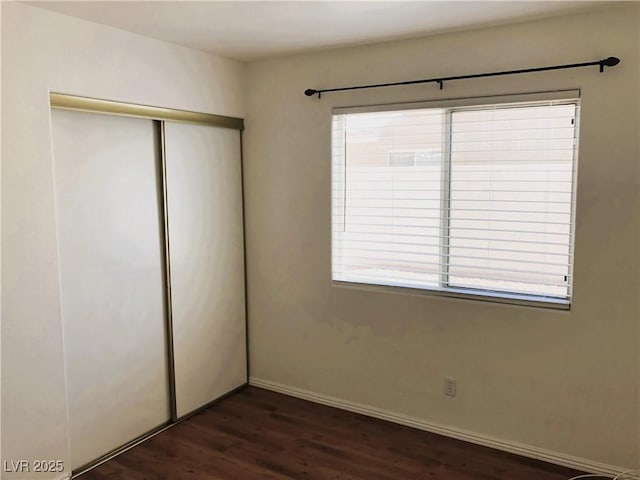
394	253
392	275
465	219
401	264
469	229
459	237
339	243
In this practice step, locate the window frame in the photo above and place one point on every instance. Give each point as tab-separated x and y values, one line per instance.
559	97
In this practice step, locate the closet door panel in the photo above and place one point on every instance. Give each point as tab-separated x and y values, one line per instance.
204	196
111	273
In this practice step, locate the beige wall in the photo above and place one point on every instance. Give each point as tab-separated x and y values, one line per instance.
43	51
565	382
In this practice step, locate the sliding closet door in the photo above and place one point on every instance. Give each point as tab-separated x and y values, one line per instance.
204	190
107	182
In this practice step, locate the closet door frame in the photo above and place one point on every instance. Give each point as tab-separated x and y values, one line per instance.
160	115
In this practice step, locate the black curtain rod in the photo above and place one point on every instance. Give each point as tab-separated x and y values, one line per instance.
605	62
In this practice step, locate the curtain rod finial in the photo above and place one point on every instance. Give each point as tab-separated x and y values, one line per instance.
310	91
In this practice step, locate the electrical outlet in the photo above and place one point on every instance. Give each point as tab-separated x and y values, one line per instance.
450	387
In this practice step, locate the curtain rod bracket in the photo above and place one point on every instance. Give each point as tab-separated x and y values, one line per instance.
605	62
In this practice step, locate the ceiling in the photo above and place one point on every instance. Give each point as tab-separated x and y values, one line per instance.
248	30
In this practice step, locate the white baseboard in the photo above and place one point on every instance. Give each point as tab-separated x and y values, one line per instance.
472	437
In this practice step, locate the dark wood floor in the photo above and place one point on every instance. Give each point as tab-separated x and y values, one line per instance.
256	434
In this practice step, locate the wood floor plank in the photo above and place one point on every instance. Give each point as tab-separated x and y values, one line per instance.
256	434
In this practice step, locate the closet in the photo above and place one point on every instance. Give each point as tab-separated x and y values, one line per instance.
149	219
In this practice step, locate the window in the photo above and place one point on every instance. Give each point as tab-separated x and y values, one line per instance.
469	200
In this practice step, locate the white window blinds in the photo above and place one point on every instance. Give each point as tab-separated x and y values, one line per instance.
475	200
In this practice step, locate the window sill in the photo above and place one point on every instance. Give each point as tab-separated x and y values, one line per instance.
460	293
